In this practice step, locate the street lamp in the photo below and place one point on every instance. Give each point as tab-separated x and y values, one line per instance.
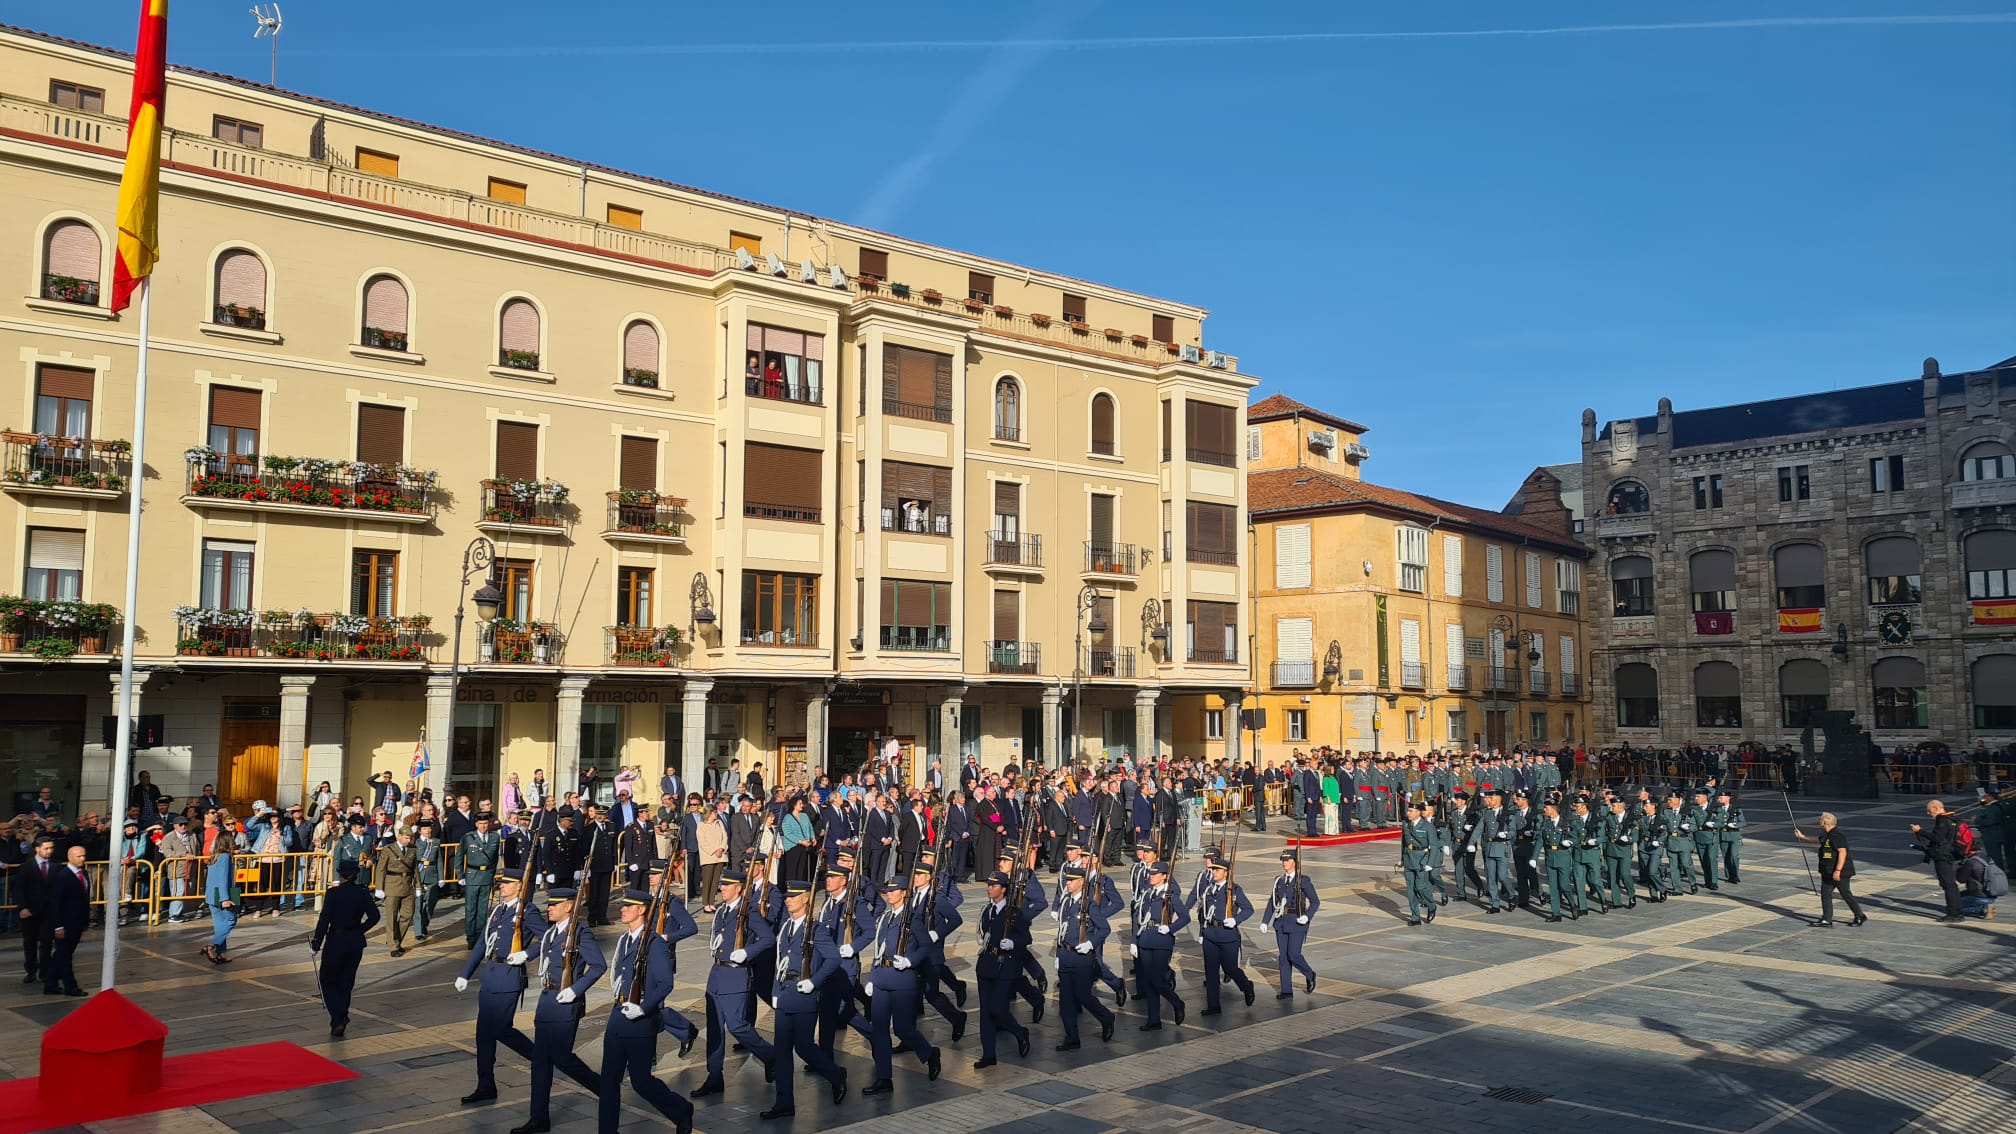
1088	603
476	558
1333	661
702	600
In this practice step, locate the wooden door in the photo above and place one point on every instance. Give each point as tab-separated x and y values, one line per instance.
1494	729
248	754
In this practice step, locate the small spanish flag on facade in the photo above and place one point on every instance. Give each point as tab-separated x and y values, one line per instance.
1804	620
1994	612
140	185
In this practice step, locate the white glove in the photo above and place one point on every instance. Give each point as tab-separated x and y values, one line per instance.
1533	862
846	950
1471	849
1446	853
632	1011
580	874
1084	947
805	986
633	868
461	984
1231	923
517	958
739	956
868	988
1303	920
934	936
378	894
901	963
1007	942
565	996
1163	930
1133	950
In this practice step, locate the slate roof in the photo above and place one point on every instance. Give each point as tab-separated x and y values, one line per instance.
1285	491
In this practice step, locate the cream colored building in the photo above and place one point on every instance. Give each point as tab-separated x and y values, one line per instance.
820	483
1388	621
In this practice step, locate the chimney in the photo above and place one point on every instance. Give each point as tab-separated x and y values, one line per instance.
1540	504
1931	368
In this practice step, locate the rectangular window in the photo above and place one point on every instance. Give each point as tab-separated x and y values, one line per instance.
1411	554
374	581
509	192
63	401
1211	436
1213	533
1411	675
916	615
227	575
377	163
1074	308
1252	436
633	596
637	464
1213	631
916	499
1886	474
55	565
873	265
1568	727
1795	482
1533	585
1291	556
1413	720
234	429
1214	724
780	610
75	96
780	482
916	384
1164	328
1537	726
1568	585
517	450
623	216
1458	728
980	286
381	434
513	577
1452	566
743	242
1494	572
1707	492
1298	725
237	131
784	365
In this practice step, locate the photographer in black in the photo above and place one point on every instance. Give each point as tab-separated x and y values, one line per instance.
1941	845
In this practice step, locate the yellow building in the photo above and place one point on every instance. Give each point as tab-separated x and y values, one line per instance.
755	485
1393	622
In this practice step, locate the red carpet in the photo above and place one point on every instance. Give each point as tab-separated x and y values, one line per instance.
104	1061
1346	839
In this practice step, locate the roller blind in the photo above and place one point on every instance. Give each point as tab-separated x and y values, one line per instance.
385	305
1102	519
638	464
63	382
916	374
518	326
1803	678
1906	673
1637	680
782	475
1007	616
1211	527
1008	498
874	263
1102	421
54	549
1631	567
241	280
1800	565
1717	679
1712	570
1995	680
517	450
234	407
72	251
1892	555
1207	628
1212	427
640	346
381	434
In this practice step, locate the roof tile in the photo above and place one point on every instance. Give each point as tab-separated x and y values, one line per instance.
1306	489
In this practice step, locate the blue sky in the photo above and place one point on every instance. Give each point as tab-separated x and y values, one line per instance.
1460	239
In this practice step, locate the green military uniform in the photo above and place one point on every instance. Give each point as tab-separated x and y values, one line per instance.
1420	848
1707	836
1620	841
1588	832
1732	823
479	851
1652	850
1557	843
1679	846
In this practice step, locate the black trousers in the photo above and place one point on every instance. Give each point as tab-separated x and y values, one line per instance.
1827	888
1949	881
339	978
997	994
36	942
60	971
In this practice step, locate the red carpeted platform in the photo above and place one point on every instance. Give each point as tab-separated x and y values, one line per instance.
1345	839
104	1061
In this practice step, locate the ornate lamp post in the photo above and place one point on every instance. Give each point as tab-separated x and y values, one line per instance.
702	600
476	559
1152	629
1088	603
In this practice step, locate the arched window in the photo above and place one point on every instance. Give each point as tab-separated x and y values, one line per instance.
1900	693
1891	564
1718	695
241	290
1007	410
1102	424
1800	570
385	314
1631	586
641	361
1990	460
1637	696
1995	692
70	262
1628	498
1802	690
1991	564
518	335
1711	577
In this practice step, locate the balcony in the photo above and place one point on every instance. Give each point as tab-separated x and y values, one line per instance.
311	486
1195	554
1459	675
1537	683
1108	661
56	630
1984	493
66	466
1010	553
300	635
1212	457
1294	674
1571	685
782	389
1501	679
1413	676
914	517
509	641
917	639
1624	524
785	639
915	411
1001	319
1014	659
1112	559
1228	654
761	510
231	315
523	507
638	515
640	645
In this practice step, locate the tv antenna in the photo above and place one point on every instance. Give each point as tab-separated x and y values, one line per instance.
269	26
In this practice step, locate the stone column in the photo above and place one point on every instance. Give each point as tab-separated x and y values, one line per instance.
294	738
1147	746
440	733
1053	727
92	781
693	726
948	732
1235	737
815	732
567	736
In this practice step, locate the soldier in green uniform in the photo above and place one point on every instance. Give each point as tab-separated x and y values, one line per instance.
1525	848
1420	849
1620	842
1707	835
1557	844
1495	836
479	851
1679	845
1587	831
1732	823
1651	848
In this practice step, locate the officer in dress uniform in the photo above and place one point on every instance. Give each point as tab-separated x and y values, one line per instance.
427	852
1082	927
1679	845
846	923
1707	835
502	977
1004	942
1495	835
1460	828
900	943
630	1039
1160	911
1588	832
1651	854
1620	842
675	925
348	913
806	958
1107	896
1557	844
1525	844
570	962
1732	836
636	849
766	902
741	933
940	915
1220	905
1420	847
1032	984
1137	884
1289	907
479	865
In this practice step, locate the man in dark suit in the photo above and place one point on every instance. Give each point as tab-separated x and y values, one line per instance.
34	879
69	915
909	832
959	835
208	801
745	826
348	913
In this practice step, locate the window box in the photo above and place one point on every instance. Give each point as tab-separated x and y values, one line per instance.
975	306
1079	326
250	318
1004	311
638	376
70	289
900	290
1115	334
869	285
518	359
1040	319
384	340
1139	340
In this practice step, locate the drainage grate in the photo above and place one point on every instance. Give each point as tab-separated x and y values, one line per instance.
1517	1094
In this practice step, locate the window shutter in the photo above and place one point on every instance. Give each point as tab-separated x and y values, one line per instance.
873	263
1074	308
941	493
979	283
892	374
54	549
1410	642
1164	328
941	382
1494	572
914	602
640	347
1165	428
1008	498
517	450
1452	566
1102	421
888	589
639	464
1291	556
1567	656
241	280
1294	639
789	477
1801	565
63	382
622	217
234	407
1208	622
518	326
1533	579
1102	520
1452	644
373	162
72	251
385	305
1497	648
381	434
1007	616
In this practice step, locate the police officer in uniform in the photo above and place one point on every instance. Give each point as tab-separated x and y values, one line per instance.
1081	931
1419	848
900	942
641	979
806	958
502	977
1620	843
846	923
1496	832
1220	905
1587	830
479	865
1290	905
1557	843
1159	912
1707	836
1731	830
348	913
1004	943
563	1000
731	1005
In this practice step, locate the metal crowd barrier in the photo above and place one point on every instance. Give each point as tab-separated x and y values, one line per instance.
1946	779
134	890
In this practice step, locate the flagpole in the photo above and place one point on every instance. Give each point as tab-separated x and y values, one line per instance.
122	757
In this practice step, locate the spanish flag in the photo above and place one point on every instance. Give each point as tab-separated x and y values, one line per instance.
1805	620
140	185
1994	612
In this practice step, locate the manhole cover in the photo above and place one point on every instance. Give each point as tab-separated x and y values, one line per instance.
1517	1094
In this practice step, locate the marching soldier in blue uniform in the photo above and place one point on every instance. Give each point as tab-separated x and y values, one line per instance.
741	933
1107	896
479	849
501	973
641	979
675	924
900	943
1005	935
941	916
847	924
1289	907
806	958
767	903
570	963
1159	913
1033	984
1137	885
1082	928
1220	905
1419	848
348	913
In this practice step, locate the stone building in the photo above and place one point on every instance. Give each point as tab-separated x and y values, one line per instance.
1853	549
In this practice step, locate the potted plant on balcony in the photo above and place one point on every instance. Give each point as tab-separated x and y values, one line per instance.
380	339
94	621
639	376
1138	340
16	616
868	285
900	290
1040	319
70	289
932	295
521	359
50	649
1115	334
1003	311
976	306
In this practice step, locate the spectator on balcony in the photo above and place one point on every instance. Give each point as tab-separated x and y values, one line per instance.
773	377
914	517
752	373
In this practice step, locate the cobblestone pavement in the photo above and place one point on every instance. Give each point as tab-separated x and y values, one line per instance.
1722	1013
